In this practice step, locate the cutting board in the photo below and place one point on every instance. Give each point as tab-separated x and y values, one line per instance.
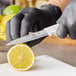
44	66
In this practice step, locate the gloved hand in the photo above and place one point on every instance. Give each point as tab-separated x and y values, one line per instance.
31	20
68	21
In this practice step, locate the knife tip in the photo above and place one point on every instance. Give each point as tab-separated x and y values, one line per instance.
8	44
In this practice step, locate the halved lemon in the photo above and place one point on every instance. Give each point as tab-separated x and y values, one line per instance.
21	57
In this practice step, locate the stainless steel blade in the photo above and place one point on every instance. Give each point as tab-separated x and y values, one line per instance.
45	32
28	38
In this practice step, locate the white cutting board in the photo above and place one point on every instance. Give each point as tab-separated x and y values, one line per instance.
44	66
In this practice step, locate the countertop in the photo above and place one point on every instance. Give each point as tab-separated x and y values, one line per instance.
44	66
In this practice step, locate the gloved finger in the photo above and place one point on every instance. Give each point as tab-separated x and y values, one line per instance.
24	27
27	25
61	31
8	32
72	33
15	25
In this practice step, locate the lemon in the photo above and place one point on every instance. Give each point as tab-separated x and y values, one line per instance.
3	22
12	9
21	57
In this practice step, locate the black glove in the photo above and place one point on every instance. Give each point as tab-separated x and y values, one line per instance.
31	20
68	21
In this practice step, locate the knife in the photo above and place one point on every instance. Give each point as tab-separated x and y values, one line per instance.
45	32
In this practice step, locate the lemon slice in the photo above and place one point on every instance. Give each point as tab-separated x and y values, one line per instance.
21	57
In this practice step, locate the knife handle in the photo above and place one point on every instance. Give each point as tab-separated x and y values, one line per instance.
52	29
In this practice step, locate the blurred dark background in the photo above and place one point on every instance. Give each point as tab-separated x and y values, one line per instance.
21	3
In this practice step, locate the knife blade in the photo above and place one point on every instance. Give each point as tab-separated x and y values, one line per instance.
45	32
